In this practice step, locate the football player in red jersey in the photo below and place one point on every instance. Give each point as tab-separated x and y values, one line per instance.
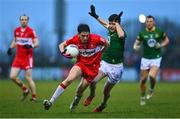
24	41
87	65
111	64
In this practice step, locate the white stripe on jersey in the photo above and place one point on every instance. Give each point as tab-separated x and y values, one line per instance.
90	52
23	41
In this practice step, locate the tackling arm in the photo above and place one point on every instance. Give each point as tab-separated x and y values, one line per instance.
100	20
106	45
120	31
103	22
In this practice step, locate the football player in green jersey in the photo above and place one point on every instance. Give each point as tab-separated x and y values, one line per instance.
111	64
153	39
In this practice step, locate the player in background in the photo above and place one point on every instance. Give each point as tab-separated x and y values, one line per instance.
24	41
153	39
111	64
86	67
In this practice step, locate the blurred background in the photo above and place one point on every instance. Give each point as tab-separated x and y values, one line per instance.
56	20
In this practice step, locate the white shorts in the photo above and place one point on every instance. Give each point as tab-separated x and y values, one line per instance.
148	63
113	71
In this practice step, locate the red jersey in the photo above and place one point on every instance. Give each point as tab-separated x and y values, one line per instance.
90	55
24	36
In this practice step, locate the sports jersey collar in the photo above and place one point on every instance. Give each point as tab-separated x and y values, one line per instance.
153	29
23	29
111	33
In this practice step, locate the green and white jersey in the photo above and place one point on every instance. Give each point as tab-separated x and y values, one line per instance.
115	52
149	40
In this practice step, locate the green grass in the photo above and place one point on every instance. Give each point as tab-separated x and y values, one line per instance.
124	101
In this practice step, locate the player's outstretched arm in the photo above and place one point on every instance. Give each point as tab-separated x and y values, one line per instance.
94	15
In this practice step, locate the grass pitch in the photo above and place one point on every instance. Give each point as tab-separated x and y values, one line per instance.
124	102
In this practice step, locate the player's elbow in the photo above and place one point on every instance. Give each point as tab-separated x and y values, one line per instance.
167	41
121	35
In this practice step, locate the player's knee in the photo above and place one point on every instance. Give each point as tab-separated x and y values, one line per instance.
143	78
67	82
28	77
30	81
143	81
152	77
12	77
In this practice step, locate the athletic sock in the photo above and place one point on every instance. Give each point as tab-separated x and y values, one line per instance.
60	89
34	96
24	89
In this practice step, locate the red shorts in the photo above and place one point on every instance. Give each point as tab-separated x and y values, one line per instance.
25	63
88	72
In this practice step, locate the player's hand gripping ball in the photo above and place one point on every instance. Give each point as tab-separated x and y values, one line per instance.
72	50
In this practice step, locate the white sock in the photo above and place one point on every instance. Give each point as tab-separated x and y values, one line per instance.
57	93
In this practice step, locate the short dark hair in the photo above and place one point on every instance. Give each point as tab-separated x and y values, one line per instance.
150	16
114	17
83	28
24	15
